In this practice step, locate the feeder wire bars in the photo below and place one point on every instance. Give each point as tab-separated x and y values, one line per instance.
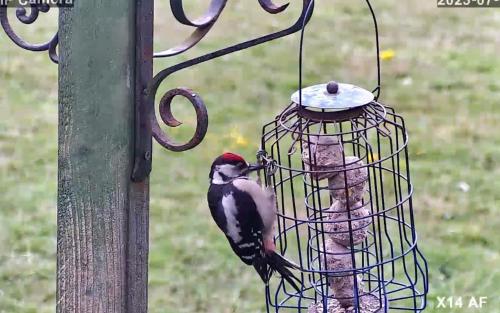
338	162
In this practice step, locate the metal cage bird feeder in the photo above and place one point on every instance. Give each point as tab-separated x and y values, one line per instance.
338	162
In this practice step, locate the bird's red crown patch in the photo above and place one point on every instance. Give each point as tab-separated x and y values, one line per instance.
228	156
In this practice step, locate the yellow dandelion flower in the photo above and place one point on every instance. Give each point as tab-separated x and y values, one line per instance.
238	138
387	55
241	141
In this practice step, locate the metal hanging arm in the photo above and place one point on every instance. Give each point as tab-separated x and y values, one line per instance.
147	125
143	148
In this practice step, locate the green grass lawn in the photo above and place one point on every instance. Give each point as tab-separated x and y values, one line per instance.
444	78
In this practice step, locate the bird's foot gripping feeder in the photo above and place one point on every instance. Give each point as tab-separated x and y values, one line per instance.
341	175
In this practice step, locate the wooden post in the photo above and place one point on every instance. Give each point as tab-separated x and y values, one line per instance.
102	247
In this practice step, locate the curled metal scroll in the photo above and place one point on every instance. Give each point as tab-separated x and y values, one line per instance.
204	23
272	8
201	112
168	118
29	17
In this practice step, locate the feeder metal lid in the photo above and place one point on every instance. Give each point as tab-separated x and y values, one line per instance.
333	96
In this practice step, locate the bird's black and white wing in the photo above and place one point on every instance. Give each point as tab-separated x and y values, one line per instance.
243	225
246	223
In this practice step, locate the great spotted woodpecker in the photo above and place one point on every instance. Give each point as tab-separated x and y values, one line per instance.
246	213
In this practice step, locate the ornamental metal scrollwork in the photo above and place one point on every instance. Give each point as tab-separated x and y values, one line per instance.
27	18
203	25
147	124
168	118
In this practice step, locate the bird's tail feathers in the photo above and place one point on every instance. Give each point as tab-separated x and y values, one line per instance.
281	265
263	269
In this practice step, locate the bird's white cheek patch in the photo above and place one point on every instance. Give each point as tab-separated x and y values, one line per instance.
230	211
217	179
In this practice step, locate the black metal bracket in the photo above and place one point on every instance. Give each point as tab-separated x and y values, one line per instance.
144	74
146	122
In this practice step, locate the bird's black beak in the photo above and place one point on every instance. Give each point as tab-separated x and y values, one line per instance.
254	167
